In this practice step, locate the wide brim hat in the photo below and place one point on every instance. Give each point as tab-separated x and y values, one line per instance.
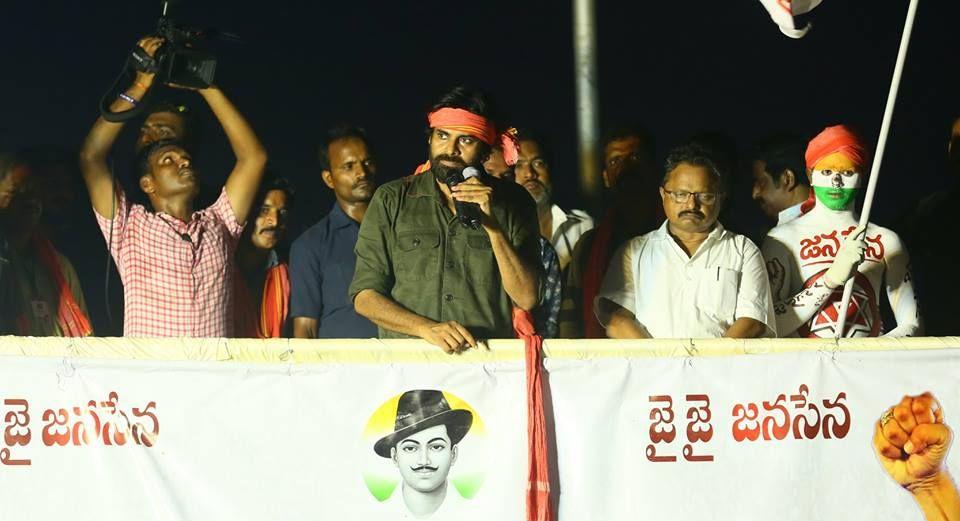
420	410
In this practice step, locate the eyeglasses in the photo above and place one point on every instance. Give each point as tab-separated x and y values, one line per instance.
683	197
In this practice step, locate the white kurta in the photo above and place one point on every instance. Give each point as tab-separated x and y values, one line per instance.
676	296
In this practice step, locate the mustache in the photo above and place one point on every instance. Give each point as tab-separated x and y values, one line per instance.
692	212
424	467
452	159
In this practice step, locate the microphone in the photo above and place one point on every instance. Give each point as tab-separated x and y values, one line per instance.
467	213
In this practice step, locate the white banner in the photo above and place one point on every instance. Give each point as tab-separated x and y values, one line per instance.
114	429
97	439
780	436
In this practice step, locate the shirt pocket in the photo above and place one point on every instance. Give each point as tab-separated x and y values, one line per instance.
717	293
481	266
417	255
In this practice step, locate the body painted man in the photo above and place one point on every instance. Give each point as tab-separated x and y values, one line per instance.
809	259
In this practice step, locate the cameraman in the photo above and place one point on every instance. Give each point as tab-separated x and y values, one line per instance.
175	262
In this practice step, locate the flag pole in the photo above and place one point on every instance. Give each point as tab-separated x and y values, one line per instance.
881	145
588	115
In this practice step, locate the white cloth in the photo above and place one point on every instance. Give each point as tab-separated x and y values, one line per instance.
676	296
567	229
790	213
784	13
450	510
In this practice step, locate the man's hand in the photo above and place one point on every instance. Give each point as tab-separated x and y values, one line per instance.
911	441
150	45
450	336
848	259
474	191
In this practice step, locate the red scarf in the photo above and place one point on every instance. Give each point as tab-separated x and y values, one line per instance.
538	471
70	318
267	319
597	263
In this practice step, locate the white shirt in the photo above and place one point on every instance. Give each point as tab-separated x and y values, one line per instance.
567	229
676	296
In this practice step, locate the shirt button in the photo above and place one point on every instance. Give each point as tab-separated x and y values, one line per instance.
448	297
416	242
449	265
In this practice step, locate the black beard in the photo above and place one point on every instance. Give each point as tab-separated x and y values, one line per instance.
443	172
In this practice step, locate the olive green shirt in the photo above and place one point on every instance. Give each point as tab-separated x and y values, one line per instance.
412	249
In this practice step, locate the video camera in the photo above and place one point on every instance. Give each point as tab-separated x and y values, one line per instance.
178	61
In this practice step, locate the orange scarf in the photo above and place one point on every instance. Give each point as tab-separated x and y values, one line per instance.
70	318
538	463
268	320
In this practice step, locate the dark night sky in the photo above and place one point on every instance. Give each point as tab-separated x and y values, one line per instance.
676	67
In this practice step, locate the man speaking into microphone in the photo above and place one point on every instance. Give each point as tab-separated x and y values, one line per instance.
444	254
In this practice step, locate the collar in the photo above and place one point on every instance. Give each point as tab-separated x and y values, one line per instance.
664	233
339	219
790	214
273	260
423	185
558	216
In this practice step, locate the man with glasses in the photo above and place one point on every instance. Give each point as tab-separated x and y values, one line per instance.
810	258
690	278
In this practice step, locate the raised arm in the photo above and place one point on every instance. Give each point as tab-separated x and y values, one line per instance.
96	147
244	180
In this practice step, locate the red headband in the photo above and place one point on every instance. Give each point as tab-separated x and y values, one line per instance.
834	139
463	121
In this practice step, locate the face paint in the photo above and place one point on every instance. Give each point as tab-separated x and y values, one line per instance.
835	189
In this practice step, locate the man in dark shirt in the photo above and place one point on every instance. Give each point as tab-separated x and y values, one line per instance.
420	272
322	259
630	181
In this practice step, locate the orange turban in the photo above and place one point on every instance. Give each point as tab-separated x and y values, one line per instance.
834	139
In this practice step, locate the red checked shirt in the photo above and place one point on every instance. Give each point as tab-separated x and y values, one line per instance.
173	287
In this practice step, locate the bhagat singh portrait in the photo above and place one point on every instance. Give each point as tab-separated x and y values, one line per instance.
424	447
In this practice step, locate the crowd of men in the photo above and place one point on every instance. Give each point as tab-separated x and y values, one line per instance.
454	252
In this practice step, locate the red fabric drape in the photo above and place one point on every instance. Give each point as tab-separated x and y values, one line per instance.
70	318
538	463
599	259
267	319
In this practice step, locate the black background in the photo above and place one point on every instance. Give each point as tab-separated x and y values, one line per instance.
677	68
